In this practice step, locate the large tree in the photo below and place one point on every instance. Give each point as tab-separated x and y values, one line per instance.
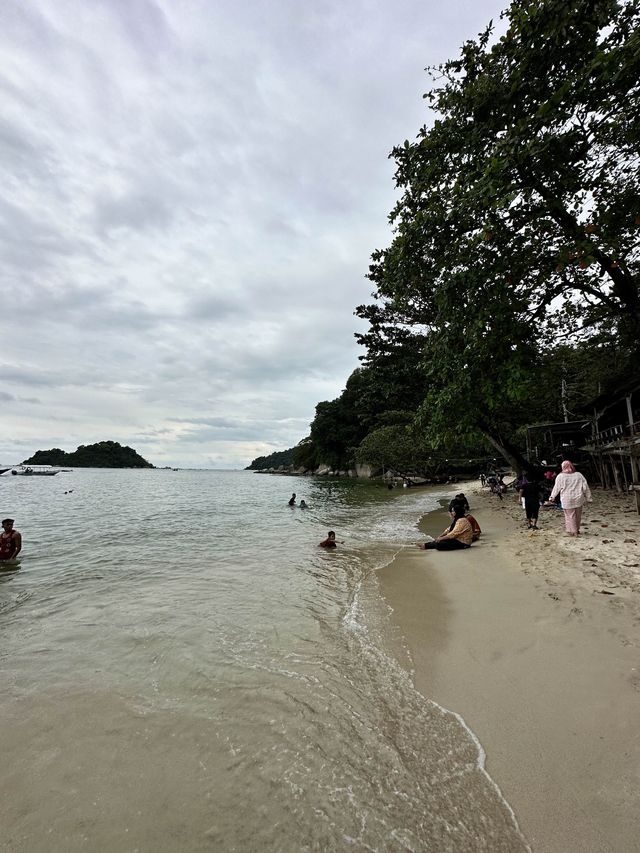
519	217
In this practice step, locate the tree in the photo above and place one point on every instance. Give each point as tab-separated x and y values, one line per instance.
518	219
273	460
103	454
394	448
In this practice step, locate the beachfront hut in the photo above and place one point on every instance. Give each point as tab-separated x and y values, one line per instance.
556	440
614	443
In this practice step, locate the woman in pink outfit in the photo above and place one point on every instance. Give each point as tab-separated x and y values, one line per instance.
574	493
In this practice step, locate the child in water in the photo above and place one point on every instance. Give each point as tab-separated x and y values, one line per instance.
330	541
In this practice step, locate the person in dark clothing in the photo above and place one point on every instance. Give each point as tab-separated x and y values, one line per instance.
292	500
10	541
459	499
530	493
330	541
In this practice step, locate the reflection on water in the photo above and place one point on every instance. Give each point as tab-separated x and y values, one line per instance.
185	669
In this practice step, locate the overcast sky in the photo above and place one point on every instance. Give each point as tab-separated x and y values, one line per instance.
191	191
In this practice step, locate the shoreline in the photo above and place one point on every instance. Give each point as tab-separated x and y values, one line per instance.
516	636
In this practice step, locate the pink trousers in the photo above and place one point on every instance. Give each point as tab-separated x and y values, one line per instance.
572	519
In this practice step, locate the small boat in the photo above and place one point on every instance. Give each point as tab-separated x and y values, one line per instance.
34	471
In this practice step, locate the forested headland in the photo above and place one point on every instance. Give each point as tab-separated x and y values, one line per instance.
273	460
509	292
103	454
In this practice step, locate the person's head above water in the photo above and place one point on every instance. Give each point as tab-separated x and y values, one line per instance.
330	541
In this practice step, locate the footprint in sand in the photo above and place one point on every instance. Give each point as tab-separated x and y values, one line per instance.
554	595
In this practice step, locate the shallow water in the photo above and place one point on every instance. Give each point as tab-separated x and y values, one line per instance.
184	669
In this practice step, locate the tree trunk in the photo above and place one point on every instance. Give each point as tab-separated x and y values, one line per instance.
508	451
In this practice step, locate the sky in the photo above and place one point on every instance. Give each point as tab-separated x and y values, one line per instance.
191	193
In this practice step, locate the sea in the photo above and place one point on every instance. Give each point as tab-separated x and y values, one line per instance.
184	669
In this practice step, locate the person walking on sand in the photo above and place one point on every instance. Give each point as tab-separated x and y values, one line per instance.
529	494
10	541
574	493
459	534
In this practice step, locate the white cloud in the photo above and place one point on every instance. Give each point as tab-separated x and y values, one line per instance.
191	193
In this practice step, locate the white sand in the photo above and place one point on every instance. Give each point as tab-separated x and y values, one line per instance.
516	635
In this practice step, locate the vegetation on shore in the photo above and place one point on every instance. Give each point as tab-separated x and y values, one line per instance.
509	293
104	454
272	460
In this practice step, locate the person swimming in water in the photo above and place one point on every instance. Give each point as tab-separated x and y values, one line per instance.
292	500
303	504
10	541
330	541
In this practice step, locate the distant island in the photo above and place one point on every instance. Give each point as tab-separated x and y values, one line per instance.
104	454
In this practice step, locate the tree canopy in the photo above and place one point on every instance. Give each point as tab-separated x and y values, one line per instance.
517	226
509	293
103	454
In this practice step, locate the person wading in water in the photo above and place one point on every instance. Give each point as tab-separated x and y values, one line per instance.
10	541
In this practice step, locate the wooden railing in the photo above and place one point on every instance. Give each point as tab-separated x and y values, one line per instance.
616	433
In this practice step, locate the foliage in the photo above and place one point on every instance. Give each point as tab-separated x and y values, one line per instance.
104	454
518	220
305	455
273	460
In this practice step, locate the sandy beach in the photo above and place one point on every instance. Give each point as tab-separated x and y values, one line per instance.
534	639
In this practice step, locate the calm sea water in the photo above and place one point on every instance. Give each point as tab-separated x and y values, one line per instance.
183	669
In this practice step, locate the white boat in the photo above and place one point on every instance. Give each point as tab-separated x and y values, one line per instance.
32	471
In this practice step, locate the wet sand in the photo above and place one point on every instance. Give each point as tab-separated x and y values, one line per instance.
519	636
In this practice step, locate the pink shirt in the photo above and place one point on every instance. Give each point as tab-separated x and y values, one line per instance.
573	490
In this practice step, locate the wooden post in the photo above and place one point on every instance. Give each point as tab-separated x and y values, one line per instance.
616	475
634	465
624	472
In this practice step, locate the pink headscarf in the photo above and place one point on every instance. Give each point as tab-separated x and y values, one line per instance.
568	467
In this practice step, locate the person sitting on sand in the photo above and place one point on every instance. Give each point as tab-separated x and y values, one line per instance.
330	541
475	527
461	502
10	541
460	499
292	500
459	534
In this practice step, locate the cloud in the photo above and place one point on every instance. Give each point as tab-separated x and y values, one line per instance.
191	194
